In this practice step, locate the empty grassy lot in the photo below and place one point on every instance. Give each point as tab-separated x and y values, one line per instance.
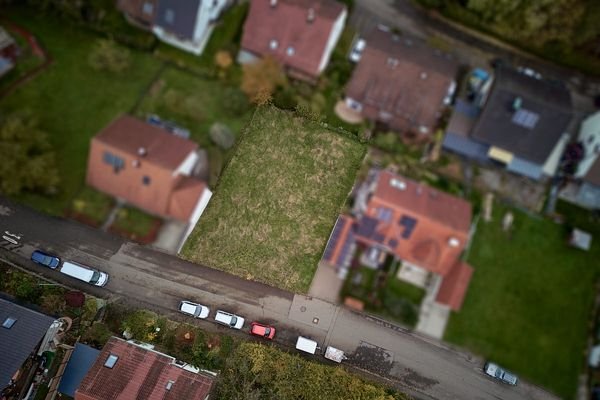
276	201
529	301
71	100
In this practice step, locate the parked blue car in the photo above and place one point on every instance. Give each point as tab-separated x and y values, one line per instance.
45	259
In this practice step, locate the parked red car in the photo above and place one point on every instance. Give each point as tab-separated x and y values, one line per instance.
265	331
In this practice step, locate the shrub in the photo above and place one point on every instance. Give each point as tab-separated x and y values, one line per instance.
260	80
235	102
285	98
97	335
222	135
141	325
223	59
109	56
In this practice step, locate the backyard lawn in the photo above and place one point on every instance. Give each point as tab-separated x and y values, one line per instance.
276	201
73	101
529	301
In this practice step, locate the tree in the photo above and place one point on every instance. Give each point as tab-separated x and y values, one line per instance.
107	55
260	79
28	162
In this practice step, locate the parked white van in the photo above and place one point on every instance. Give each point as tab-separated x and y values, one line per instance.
306	345
85	274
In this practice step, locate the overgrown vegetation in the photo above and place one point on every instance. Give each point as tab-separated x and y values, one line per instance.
28	160
135	223
255	371
565	31
91	206
529	300
277	200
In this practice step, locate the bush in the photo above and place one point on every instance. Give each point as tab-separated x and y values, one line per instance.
109	56
97	335
222	135
235	102
141	325
285	98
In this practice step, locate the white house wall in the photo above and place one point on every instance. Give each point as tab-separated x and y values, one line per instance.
551	164
589	135
185	168
198	210
334	36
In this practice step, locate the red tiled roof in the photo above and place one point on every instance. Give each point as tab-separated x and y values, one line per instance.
417	223
454	286
185	196
140	374
401	82
287	24
129	134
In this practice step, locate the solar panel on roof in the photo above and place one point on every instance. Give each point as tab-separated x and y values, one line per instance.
525	118
346	248
333	239
393	243
366	226
384	214
409	224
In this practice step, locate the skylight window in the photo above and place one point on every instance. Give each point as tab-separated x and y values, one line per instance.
170	16
8	323
290	51
273	44
111	361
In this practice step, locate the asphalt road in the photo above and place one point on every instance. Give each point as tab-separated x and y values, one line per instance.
422	367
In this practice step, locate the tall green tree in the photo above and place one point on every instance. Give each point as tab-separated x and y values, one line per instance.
28	161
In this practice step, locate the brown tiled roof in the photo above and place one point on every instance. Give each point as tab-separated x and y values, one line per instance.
140	374
129	134
401	81
186	194
287	24
135	9
417	223
454	286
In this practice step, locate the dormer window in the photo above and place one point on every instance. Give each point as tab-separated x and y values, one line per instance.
290	51
273	44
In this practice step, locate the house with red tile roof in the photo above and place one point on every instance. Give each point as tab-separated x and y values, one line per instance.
299	34
126	371
149	168
424	228
401	83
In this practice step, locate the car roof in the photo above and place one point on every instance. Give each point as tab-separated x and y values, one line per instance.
188	307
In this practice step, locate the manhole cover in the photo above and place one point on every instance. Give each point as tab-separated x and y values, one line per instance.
315	320
302	309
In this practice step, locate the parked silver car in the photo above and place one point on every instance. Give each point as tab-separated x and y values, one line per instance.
497	372
194	309
232	321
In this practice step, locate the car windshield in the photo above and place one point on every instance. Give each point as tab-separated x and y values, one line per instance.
499	373
267	331
95	277
233	320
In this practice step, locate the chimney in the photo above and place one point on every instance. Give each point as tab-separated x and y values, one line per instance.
310	17
517	103
142	151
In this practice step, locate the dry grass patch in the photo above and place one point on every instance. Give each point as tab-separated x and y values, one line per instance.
277	201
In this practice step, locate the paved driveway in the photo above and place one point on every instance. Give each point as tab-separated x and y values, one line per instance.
422	367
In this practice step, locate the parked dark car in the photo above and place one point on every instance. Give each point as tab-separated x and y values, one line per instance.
45	259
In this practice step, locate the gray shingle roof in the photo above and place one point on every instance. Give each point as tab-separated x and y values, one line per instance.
178	16
532	129
18	342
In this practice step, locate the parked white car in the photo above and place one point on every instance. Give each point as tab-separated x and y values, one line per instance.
194	309
232	321
357	50
499	373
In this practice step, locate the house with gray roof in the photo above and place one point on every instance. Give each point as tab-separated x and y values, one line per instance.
187	24
24	335
521	122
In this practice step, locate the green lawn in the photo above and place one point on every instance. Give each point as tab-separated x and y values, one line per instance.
276	201
92	205
71	100
529	301
134	221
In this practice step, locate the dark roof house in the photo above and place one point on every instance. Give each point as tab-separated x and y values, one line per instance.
126	371
522	124
299	34
23	333
401	82
187	24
